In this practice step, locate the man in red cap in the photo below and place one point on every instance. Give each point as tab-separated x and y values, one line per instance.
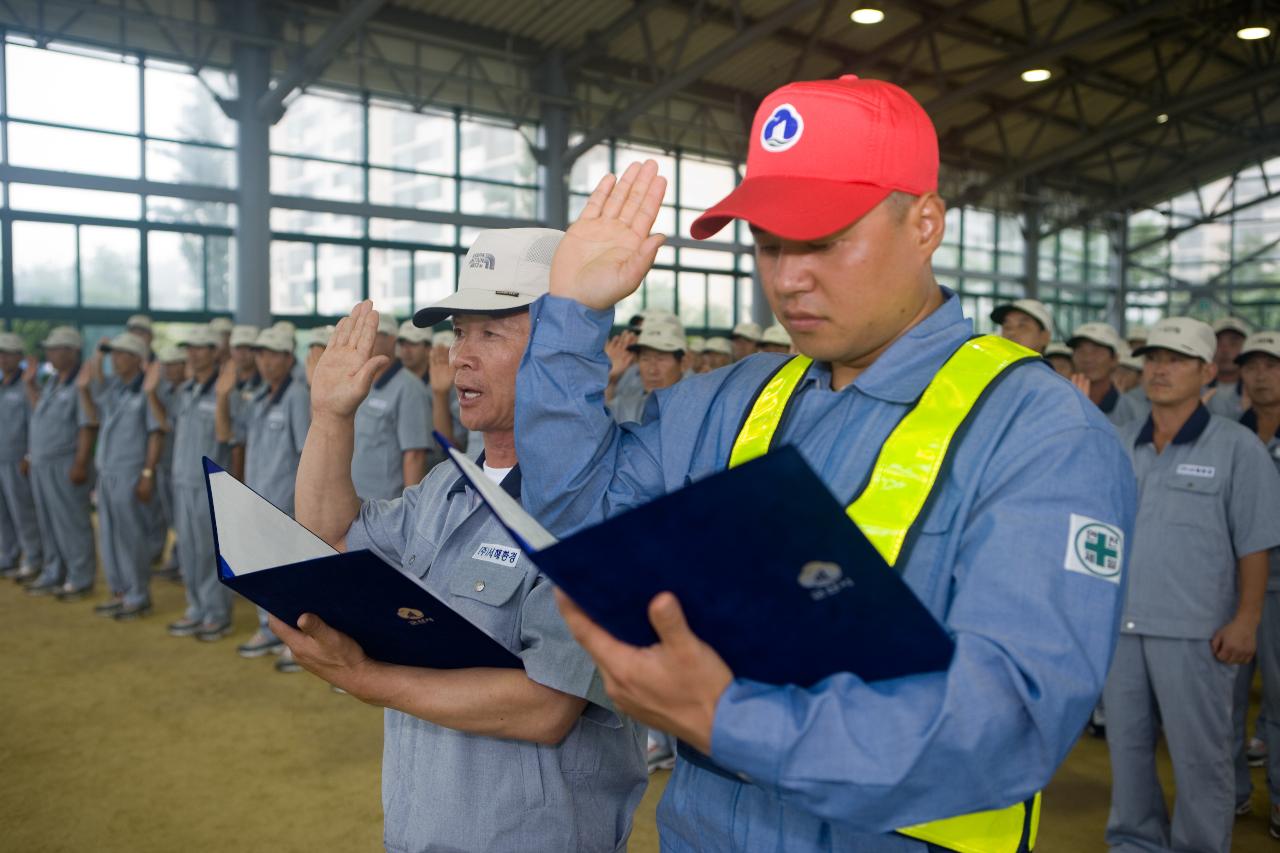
1018	553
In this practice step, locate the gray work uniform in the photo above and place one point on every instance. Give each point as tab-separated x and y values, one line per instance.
125	524
1206	500
444	789
192	414
628	407
1226	400
1142	404
62	508
1267	660
19	531
629	383
274	427
1119	408
163	473
393	419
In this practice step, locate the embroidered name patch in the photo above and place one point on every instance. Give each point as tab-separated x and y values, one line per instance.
499	554
377	403
1094	549
1206	471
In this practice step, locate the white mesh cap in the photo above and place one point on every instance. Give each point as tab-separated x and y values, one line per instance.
1182	335
505	269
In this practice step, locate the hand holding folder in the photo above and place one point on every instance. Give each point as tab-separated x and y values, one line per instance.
278	564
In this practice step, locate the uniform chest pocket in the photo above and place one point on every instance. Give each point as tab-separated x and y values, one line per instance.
276	420
1193	501
373	420
485	583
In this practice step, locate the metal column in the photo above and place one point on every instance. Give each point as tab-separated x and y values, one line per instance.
1031	242
554	155
252	288
1118	227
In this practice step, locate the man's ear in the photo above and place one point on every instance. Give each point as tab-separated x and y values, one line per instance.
928	222
1210	372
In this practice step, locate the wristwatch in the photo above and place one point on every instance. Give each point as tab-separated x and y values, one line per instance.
148	473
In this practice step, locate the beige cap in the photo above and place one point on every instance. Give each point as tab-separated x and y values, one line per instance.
171	355
505	269
1137	333
661	338
444	339
319	336
138	321
221	325
387	324
746	329
1181	335
11	342
718	344
63	336
777	335
274	339
286	326
200	336
127	342
1057	348
1133	362
1033	308
244	336
695	343
1231	324
1264	342
1103	334
412	334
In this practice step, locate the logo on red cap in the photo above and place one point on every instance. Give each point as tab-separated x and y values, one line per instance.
782	129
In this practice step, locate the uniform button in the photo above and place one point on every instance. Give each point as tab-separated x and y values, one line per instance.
479	586
412	557
1129	626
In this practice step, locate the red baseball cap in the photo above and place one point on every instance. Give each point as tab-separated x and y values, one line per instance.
824	153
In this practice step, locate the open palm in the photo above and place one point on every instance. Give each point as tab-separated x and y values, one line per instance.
341	378
606	253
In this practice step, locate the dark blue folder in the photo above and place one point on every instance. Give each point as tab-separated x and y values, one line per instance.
392	618
769	569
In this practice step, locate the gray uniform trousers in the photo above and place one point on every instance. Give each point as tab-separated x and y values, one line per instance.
208	600
1176	684
62	513
1268	661
18	527
123	532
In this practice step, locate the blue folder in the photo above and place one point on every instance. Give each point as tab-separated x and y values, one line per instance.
769	569
278	564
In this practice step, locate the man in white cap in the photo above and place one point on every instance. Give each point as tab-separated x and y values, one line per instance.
446	416
717	352
19	532
60	446
1197	578
1096	350
745	338
393	425
693	355
413	348
1025	321
465	737
1136	336
272	428
1058	355
173	373
247	382
139	325
130	441
1259	362
222	327
657	351
775	339
317	339
191	416
1128	373
1225	394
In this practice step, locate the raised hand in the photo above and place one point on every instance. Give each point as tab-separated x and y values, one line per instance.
342	376
226	379
620	355
29	370
608	251
151	379
441	371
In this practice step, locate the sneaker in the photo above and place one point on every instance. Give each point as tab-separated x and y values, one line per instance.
211	632
109	607
1275	822
1256	752
44	588
184	627
1245	808
131	613
26	574
287	663
659	757
69	593
1097	725
258	645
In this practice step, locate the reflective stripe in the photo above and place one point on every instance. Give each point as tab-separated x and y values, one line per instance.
892	503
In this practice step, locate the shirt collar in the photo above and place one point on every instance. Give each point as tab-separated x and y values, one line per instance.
1250	420
1188	433
241	384
510	483
906	368
387	374
275	398
1109	400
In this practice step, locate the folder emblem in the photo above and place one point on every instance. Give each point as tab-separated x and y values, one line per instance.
413	616
823	579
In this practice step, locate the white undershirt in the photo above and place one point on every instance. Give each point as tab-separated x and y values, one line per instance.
496	474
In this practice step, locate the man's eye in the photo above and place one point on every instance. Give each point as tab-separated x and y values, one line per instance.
768	250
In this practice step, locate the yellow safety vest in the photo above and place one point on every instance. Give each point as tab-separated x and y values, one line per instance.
891	504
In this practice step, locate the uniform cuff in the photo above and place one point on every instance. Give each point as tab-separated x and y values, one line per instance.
566	325
746	714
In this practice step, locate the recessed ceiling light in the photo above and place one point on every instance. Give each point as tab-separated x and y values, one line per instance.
866	15
1036	75
1253	33
1162	118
